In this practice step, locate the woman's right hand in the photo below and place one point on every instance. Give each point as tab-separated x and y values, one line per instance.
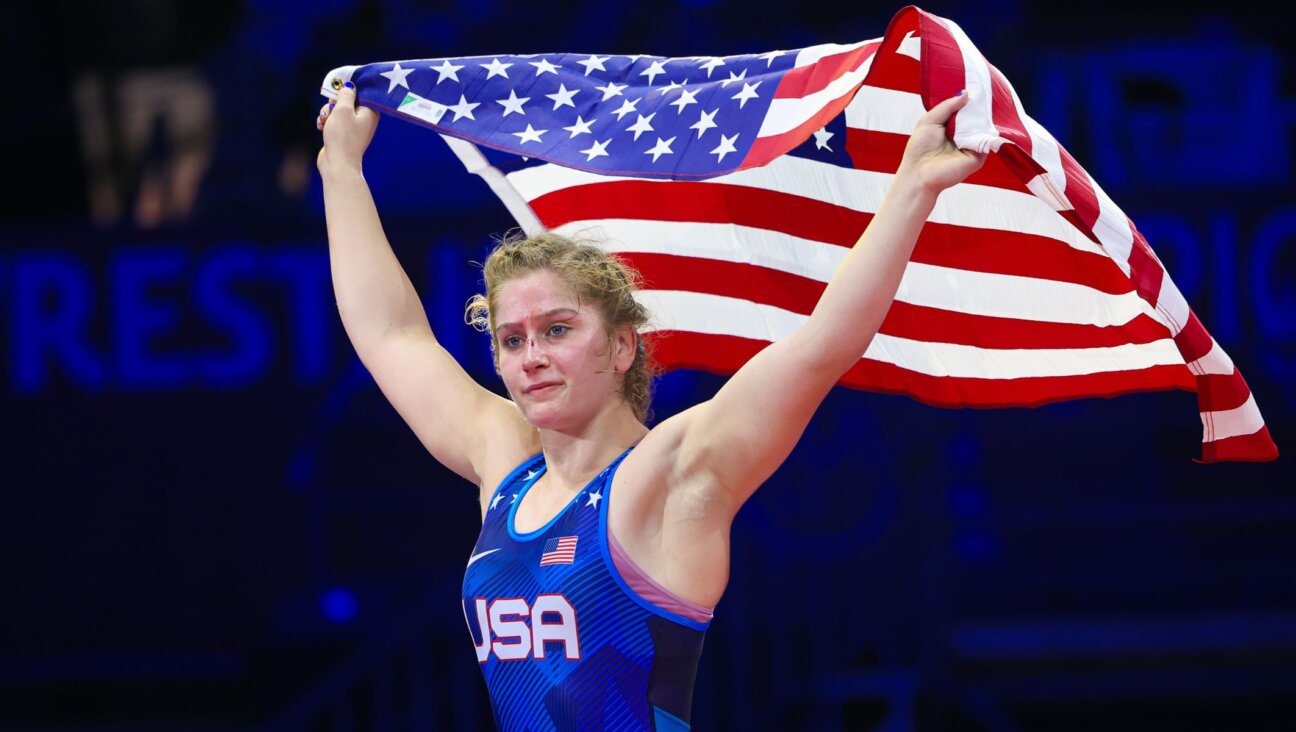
347	129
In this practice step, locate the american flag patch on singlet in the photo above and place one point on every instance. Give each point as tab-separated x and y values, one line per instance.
559	550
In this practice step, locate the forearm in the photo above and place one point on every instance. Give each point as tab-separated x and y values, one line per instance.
374	295
857	299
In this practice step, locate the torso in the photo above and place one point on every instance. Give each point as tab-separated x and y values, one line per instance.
594	632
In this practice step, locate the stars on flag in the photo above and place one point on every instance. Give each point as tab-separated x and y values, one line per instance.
397	77
661	148
821	138
495	84
495	68
529	135
447	70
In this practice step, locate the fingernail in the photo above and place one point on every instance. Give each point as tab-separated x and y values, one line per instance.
332	104
960	93
349	85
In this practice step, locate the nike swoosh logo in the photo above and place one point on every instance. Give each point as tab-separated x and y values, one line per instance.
475	557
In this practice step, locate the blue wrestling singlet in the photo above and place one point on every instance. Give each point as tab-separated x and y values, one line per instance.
570	634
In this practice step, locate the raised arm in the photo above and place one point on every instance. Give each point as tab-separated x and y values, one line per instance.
730	444
451	414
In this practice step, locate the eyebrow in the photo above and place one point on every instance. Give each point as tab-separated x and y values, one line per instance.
545	314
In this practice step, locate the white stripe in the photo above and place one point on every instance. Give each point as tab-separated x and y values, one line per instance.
1244	420
1172	308
982	207
787	114
956	290
516	203
884	110
713	314
974	127
1215	362
1045	151
1113	229
807	56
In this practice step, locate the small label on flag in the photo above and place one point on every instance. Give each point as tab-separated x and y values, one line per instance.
561	550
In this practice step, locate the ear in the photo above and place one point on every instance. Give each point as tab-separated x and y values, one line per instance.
623	349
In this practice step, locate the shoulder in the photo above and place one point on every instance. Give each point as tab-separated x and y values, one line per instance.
504	457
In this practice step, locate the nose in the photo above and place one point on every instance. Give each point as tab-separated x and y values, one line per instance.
535	356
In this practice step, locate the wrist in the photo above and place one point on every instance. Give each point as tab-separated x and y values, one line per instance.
908	189
330	168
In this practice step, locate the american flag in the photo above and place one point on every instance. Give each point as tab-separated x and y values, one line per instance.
559	550
736	184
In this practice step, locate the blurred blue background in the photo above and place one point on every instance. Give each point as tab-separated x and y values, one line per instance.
212	520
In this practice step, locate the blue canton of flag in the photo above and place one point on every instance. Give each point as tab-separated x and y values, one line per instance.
559	550
644	115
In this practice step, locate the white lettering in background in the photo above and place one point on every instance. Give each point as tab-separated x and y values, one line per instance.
503	628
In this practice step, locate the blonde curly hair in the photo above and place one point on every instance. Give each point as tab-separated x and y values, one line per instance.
595	276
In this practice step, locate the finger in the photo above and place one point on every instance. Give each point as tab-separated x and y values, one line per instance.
941	113
346	97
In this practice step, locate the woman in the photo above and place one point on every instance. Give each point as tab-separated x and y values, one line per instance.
604	543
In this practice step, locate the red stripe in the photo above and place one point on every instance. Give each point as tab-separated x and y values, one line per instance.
1222	392
882	151
1193	341
891	70
903	320
981	250
726	354
1145	271
1256	448
806	80
943	72
1003	110
1079	192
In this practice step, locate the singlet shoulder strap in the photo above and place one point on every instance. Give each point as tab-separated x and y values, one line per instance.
526	465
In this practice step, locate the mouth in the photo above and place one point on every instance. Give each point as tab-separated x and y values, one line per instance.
541	388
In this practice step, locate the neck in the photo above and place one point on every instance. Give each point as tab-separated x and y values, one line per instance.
574	457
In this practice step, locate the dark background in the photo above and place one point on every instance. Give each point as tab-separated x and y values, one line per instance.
211	519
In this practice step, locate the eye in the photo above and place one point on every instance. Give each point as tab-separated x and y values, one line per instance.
512	341
558	329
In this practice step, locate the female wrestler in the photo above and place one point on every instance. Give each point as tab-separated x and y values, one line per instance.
604	543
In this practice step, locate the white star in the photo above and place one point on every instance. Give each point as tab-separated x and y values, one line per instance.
447	70
711	64
529	135
495	68
705	122
626	107
513	103
734	77
662	148
642	125
672	85
563	96
653	71
611	90
580	128
822	136
725	147
531	474
597	149
594	63
396	77
499	497
748	92
686	98
544	67
769	57
594	499
464	109
513	500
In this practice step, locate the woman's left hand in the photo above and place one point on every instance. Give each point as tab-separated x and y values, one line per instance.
931	156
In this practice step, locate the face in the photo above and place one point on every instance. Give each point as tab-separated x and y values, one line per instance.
554	353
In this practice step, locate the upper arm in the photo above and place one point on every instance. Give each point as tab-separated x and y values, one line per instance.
733	442
467	428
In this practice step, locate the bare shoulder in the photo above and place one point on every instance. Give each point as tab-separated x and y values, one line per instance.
513	442
650	474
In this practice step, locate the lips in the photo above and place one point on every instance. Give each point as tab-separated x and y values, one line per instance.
541	388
